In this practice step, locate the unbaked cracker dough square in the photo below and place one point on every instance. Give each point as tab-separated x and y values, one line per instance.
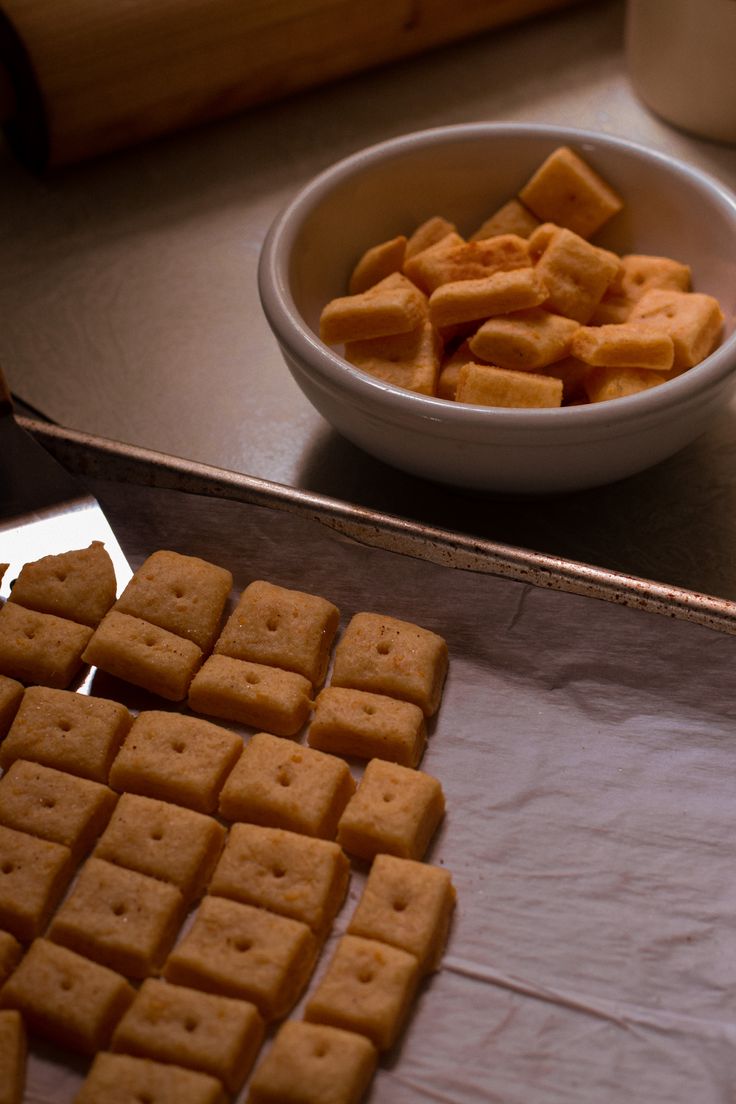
13	1050
314	1064
284	872
79	585
11	694
408	905
11	953
122	1079
65	997
70	732
245	952
201	1031
119	918
144	655
33	876
252	694
386	656
280	784
176	758
183	594
394	810
55	805
162	840
281	628
39	647
368	726
368	987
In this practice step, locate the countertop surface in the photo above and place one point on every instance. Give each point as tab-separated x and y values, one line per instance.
130	310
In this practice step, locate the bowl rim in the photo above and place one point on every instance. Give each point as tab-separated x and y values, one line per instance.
301	343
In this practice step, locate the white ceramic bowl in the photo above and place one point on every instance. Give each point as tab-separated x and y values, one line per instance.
464	173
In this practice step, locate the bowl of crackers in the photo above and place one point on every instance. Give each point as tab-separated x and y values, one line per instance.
514	308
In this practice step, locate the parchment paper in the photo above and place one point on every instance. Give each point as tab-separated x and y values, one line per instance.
587	756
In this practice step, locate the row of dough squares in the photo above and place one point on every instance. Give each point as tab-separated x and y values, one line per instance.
163	634
270	892
387	966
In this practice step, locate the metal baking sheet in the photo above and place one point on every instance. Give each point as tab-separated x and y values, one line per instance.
585	748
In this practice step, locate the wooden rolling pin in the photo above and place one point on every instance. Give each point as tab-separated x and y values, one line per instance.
83	77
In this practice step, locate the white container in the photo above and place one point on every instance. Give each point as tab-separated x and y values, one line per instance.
464	172
682	62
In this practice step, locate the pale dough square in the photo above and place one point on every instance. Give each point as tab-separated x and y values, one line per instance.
33	876
164	841
368	726
280	784
240	951
201	1031
65	997
408	905
39	647
386	656
281	628
55	805
394	810
70	732
122	1079
143	654
368	988
253	694
565	189
484	385
11	694
285	872
13	1050
314	1064
176	758
183	594
79	585
11	953
119	918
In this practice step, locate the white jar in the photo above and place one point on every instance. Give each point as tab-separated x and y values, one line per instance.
681	57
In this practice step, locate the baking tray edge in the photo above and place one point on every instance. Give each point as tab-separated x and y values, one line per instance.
95	457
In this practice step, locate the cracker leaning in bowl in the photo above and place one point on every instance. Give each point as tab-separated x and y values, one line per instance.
487	320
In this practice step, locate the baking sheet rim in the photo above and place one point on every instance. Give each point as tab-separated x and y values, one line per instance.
96	457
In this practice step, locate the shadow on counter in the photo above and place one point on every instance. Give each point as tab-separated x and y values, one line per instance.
674	524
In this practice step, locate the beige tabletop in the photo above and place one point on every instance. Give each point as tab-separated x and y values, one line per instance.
129	304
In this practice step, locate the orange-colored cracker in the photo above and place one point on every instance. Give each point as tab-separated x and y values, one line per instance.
623	345
577	274
410	360
485	385
377	263
525	341
475	300
452	260
693	321
394	305
566	190
512	218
